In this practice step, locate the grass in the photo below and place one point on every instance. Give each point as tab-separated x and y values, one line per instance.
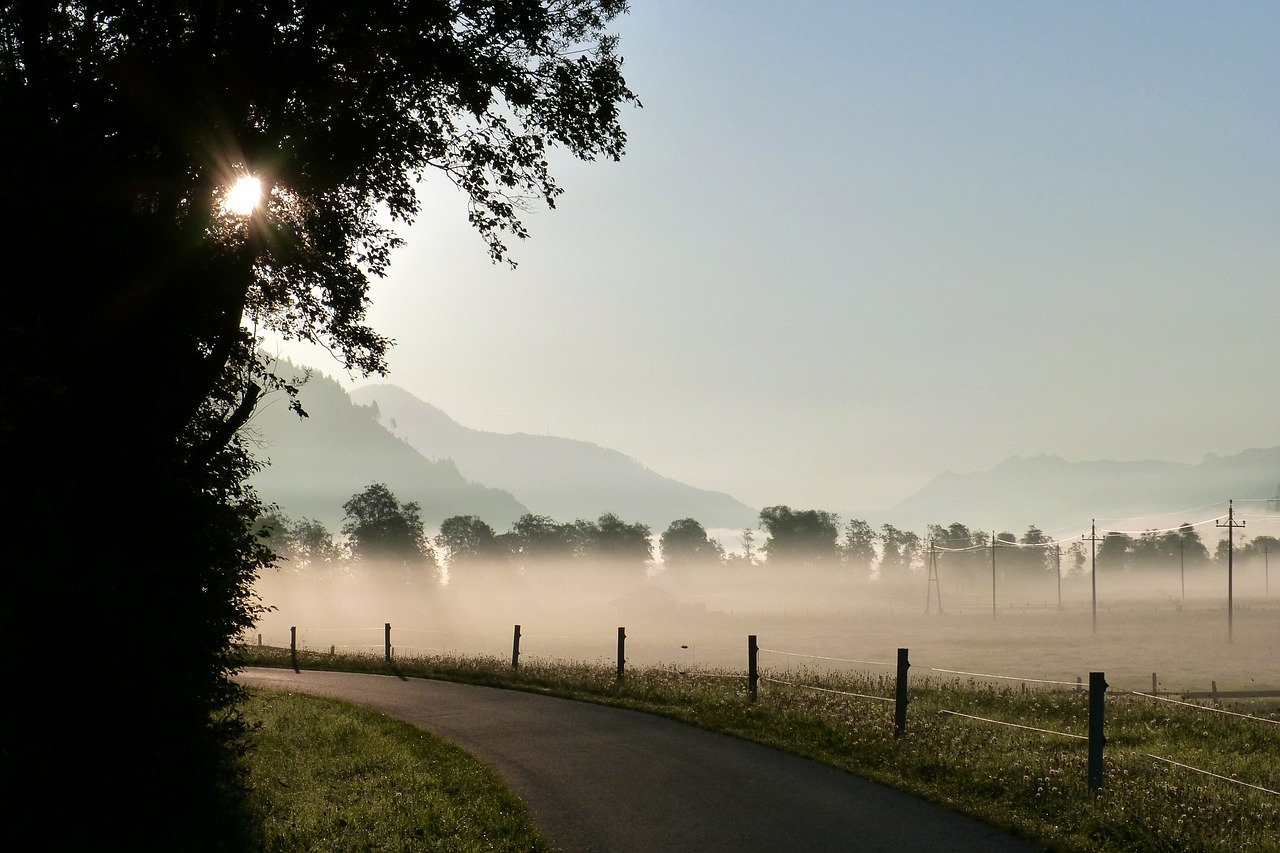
327	776
1030	783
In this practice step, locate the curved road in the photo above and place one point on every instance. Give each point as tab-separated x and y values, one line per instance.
606	779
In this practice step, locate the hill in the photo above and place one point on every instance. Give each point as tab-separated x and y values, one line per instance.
318	462
1050	492
559	477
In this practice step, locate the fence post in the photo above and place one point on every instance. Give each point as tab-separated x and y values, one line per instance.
293	647
1155	691
515	650
1097	709
386	641
900	703
622	650
753	673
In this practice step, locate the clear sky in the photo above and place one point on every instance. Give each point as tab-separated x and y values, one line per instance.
854	245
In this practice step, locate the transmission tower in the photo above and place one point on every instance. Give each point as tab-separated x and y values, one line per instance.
933	586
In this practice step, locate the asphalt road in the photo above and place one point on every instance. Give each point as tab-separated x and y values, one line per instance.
605	779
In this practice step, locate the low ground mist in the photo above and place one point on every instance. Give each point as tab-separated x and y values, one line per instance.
1165	621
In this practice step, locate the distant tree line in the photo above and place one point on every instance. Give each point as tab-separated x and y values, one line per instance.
379	528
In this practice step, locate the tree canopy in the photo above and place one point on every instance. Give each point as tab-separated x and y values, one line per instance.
805	536
380	527
685	543
135	297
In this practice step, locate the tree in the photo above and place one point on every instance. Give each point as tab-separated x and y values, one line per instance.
379	527
1115	553
899	550
685	543
133	296
609	539
806	537
467	538
306	544
541	539
859	546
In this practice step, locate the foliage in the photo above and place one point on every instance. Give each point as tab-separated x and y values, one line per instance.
465	538
134	301
859	546
899	551
685	543
804	537
379	527
305	545
609	539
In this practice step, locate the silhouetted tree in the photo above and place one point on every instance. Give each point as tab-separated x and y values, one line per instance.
685	543
859	546
540	538
806	536
379	527
466	538
1115	552
898	552
305	545
609	539
128	357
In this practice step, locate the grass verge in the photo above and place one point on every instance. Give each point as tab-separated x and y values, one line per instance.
1030	783
328	776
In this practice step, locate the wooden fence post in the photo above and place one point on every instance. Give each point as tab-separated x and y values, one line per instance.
386	641
515	650
1097	710
622	650
293	646
753	673
900	701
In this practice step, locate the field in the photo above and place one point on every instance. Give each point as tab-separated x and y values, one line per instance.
704	620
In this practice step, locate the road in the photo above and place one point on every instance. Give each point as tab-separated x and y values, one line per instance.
608	780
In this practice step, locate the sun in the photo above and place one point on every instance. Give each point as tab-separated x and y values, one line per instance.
243	198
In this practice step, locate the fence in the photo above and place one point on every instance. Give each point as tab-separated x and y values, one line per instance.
1097	692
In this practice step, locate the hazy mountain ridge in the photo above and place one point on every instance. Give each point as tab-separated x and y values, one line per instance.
317	463
560	477
1051	492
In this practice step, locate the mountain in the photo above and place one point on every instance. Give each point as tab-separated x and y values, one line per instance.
317	463
559	477
1053	493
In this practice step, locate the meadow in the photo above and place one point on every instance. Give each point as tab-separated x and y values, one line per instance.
1177	777
1180	775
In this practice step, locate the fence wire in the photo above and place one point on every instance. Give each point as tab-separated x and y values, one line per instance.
827	690
1013	725
824	657
1003	677
1199	707
1207	773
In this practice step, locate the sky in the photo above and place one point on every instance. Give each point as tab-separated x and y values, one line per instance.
854	245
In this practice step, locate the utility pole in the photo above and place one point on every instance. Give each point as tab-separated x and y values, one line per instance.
993	574
1057	569
1092	539
1231	526
1182	566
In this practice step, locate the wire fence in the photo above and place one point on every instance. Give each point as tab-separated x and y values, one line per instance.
900	700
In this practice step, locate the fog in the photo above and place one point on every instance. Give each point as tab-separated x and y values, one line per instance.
807	616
